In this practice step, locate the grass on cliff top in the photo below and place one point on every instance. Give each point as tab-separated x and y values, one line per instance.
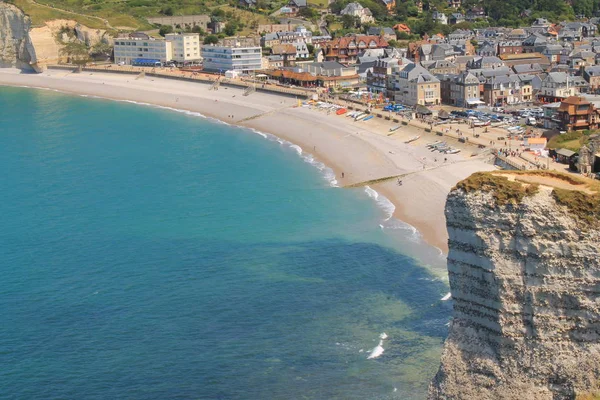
588	396
585	207
583	202
503	190
562	176
39	14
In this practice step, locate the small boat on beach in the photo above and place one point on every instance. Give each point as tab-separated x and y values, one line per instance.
352	114
341	111
394	128
368	118
430	145
479	123
360	116
412	139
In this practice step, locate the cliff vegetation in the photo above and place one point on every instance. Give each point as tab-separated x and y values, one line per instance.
580	196
503	190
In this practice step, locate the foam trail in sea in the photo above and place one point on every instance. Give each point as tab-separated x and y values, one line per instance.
394	224
378	350
383	202
327	172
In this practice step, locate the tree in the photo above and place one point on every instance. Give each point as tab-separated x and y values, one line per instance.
349	21
164	29
307	13
101	51
198	29
329	19
218	12
583	7
167	11
230	28
310	48
76	53
211	39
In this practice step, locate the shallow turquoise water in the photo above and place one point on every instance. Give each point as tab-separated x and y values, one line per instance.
149	254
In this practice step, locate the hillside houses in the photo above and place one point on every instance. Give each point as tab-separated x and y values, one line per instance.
356	10
543	62
346	49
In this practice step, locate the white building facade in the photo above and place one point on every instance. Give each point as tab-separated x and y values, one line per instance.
129	49
229	58
181	48
185	46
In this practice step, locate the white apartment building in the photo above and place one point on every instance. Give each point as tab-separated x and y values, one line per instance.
185	46
139	46
231	58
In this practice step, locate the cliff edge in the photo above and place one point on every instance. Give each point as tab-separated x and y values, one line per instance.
524	271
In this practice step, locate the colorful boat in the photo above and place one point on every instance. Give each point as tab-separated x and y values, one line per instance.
368	118
341	111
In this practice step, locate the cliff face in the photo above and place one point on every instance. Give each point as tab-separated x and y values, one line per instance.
32	48
49	39
16	49
525	281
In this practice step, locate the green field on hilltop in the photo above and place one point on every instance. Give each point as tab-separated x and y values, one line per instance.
132	14
40	13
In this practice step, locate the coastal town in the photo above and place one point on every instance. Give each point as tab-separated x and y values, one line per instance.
301	190
530	93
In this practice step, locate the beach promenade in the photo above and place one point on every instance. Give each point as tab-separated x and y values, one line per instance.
364	152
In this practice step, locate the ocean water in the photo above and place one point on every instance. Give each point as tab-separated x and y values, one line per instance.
153	254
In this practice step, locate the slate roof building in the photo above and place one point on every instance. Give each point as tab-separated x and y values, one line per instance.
415	85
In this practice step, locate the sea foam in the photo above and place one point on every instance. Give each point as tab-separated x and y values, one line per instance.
383	202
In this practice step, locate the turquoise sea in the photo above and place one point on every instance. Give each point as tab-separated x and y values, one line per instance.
152	254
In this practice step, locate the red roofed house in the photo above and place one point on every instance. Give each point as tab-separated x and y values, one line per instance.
346	49
402	28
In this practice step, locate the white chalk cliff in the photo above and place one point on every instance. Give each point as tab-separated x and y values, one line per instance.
27	47
525	283
16	49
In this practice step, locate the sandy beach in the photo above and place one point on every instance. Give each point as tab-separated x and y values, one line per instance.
361	151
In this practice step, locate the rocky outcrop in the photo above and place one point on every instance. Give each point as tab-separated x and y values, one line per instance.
525	283
16	49
33	48
49	39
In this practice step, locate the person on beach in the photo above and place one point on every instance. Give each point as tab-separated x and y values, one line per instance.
342	174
